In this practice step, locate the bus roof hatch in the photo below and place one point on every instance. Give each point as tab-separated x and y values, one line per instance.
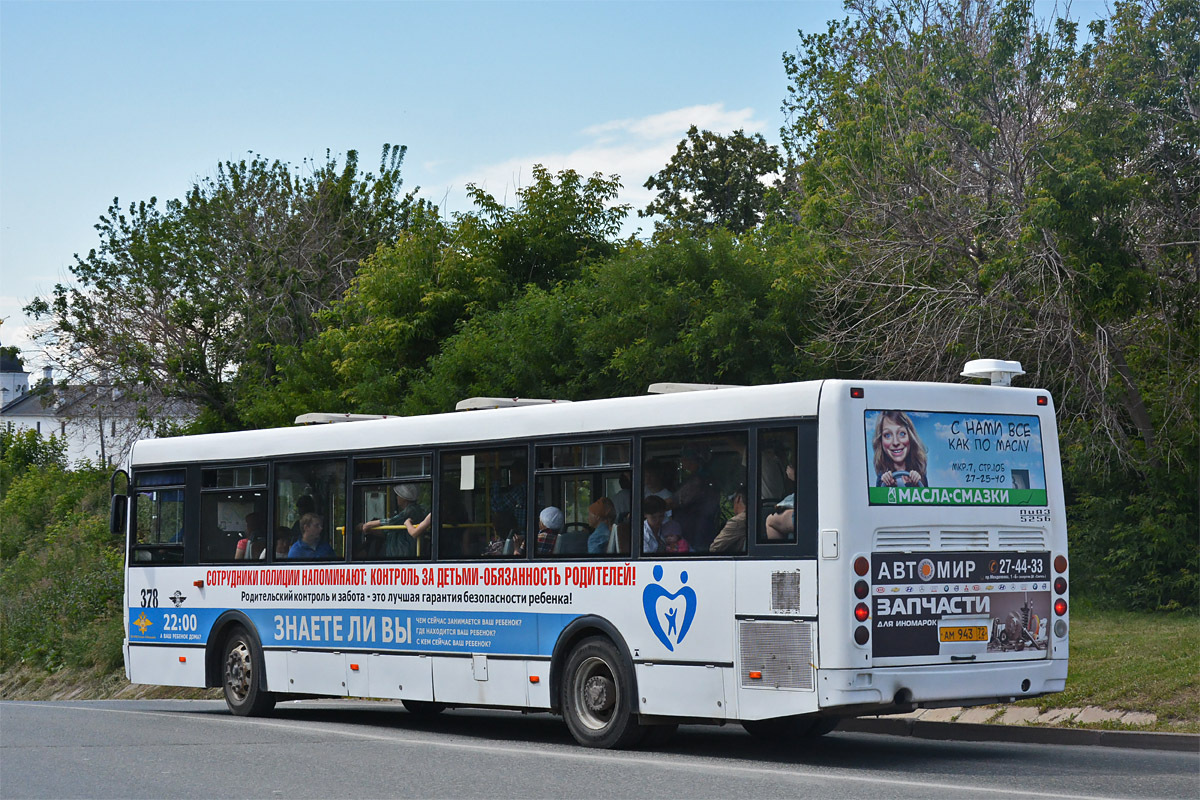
476	403
671	388
322	418
1000	373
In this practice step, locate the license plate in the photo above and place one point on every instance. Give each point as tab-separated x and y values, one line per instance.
964	633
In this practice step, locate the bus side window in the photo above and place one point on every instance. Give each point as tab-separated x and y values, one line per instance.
233	502
310	503
227	518
696	477
483	504
158	520
777	485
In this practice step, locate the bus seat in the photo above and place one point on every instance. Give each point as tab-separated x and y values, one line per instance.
618	540
571	544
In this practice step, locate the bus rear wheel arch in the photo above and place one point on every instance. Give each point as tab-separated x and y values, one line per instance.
242	675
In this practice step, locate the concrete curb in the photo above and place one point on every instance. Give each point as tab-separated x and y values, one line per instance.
1025	734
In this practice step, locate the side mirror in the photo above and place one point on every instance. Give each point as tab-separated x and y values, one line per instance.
118	514
118	504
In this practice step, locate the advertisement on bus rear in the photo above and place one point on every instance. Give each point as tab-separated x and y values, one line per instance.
960	604
925	458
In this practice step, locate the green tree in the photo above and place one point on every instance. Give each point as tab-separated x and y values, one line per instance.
713	181
697	310
410	297
979	183
194	298
21	450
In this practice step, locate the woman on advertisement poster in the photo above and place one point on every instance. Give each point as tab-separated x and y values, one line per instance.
900	455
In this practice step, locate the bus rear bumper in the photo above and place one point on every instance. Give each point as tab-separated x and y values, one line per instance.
938	686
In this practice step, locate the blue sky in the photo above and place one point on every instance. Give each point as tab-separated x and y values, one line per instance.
139	99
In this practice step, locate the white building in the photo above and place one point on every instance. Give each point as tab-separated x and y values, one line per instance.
98	423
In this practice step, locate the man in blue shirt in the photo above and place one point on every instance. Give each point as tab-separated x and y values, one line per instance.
309	545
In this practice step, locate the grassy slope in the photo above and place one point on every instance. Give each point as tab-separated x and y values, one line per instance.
1134	662
1119	661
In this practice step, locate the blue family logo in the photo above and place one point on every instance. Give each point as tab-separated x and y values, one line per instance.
663	609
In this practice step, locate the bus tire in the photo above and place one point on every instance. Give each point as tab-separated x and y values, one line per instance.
597	696
241	676
423	708
782	729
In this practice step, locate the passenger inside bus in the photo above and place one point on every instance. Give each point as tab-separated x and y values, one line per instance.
254	541
732	538
510	499
310	544
697	502
781	526
656	524
283	542
653	483
602	514
623	498
396	543
550	525
421	528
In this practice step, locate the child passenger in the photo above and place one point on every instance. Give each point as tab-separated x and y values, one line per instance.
672	542
900	456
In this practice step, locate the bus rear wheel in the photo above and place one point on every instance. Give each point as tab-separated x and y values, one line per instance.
597	696
423	708
781	729
241	676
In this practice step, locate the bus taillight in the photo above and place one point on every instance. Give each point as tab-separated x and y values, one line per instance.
861	590
862	612
1060	563
1060	585
862	566
1060	606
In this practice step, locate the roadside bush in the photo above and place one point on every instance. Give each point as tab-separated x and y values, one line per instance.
61	578
1134	546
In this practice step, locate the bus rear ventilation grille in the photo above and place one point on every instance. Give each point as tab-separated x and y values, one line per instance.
781	653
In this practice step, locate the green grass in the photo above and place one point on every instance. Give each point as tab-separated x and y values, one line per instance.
1134	661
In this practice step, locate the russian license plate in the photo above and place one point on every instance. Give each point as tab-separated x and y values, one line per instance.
963	633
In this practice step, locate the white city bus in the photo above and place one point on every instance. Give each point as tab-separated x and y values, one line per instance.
780	556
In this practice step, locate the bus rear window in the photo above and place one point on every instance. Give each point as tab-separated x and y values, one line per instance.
954	459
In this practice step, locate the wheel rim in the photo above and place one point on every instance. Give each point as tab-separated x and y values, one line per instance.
238	672
595	692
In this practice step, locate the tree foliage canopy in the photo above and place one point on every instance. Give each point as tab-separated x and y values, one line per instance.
978	183
189	296
713	181
410	297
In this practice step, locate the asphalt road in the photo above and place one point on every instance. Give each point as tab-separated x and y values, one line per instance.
178	748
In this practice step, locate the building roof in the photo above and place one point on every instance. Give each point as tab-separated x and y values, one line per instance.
34	403
74	401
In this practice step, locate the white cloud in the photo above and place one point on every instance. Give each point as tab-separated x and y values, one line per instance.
633	148
674	124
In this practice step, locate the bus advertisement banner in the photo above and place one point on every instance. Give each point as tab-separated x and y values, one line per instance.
954	459
959	604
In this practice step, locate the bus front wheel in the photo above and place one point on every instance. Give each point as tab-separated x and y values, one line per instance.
241	676
597	696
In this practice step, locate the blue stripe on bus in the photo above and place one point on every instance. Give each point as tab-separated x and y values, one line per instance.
421	630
